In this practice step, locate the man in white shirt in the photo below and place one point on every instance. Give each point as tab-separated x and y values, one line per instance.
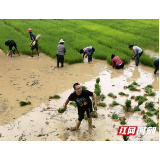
137	53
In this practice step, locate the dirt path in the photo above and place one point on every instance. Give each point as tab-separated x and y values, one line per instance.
41	121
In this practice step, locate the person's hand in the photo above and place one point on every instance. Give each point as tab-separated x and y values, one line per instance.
64	108
132	57
95	107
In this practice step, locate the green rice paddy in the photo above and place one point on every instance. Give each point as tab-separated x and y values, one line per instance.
107	36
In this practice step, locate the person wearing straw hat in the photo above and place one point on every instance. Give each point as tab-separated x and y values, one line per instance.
34	43
61	50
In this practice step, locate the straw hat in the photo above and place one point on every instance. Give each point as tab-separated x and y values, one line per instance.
61	41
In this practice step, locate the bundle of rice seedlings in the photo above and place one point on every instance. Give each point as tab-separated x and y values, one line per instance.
97	89
115	103
148	90
156	112
149	114
84	87
94	114
102	104
54	97
86	117
122	93
73	104
143	112
114	116
150	106
97	80
22	103
110	94
145	116
135	83
136	108
127	106
140	99
102	96
61	110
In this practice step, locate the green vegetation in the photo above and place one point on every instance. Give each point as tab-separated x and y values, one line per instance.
135	83
122	93
131	87
127	106
84	87
61	110
148	120
156	112
22	103
125	137
151	123
97	89
140	99
148	90
97	80
112	95
136	108
149	114
122	120
150	106
86	117
94	114
106	35
54	97
101	104
114	116
145	116
132	97
143	112
102	96
115	103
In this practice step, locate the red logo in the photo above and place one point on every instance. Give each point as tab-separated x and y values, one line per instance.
127	130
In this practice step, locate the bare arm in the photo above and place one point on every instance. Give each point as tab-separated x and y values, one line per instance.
65	105
95	101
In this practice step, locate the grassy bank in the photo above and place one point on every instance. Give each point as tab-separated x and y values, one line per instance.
106	36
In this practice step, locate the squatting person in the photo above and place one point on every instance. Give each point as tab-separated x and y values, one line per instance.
156	64
81	97
137	53
34	43
10	44
116	62
88	51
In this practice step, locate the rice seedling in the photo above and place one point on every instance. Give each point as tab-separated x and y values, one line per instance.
86	117
157	127
122	93
156	112
110	94
122	122
84	87
151	124
148	90
127	106
143	112
94	114
54	97
140	99
150	106
115	103
145	116
61	110
73	104
149	114
136	108
97	80
114	116
132	97
22	103
125	137
102	96
97	89
148	120
135	83
102	104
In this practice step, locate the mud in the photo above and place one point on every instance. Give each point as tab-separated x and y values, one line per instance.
42	122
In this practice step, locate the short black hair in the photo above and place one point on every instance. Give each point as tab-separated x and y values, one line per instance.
130	46
81	51
6	43
76	84
112	56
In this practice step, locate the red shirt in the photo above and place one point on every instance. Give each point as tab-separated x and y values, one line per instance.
116	61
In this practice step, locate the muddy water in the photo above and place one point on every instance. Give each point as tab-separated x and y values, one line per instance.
152	53
44	123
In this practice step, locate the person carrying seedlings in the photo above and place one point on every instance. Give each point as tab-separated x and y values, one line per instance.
61	50
156	64
34	43
116	62
81	97
137	53
10	44
88	51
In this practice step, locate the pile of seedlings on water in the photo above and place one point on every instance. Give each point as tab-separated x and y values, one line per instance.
102	104
149	114
114	116
151	123
73	104
94	114
98	80
114	103
148	90
156	112
131	87
61	110
135	83
145	116
123	94
112	95
54	97
122	120
97	89
143	112
136	108
86	117
84	87
127	106
102	97
22	103
140	99
150	106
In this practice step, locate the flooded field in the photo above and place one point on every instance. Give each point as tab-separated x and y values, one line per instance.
42	122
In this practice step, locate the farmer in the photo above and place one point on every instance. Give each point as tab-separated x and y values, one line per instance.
156	64
81	97
137	53
10	44
88	51
61	50
116	62
34	43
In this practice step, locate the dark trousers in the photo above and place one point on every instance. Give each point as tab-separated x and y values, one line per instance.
156	64
90	55
120	66
60	59
137	58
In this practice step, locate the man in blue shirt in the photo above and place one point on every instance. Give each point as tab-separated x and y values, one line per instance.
34	43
